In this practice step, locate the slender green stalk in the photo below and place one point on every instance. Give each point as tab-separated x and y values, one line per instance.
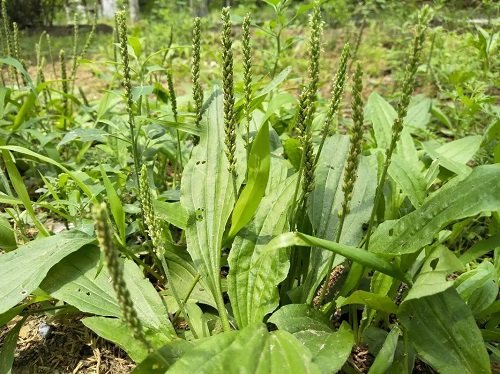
7	37
424	18
65	89
155	232
51	55
122	35
247	76
105	237
337	93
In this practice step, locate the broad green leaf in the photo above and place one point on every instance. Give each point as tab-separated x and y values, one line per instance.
253	279
444	333
274	83
407	151
419	114
117	331
409	179
188	127
478	287
139	91
173	213
116	206
385	357
24	269
382	115
208	193
11	313
160	360
433	274
7	236
478	192
259	163
251	350
325	203
355	254
183	274
375	301
15	63
8	348
18	184
74	281
461	150
299	317
330	349
84	135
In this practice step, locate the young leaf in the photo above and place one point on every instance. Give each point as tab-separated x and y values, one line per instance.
478	192
409	179
7	236
23	269
173	213
259	163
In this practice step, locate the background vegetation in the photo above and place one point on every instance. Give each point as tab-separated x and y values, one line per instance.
284	186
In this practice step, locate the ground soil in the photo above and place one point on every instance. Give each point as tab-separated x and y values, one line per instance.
69	349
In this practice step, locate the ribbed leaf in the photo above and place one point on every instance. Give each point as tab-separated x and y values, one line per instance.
478	192
23	269
251	350
208	195
330	349
409	179
444	333
253	279
325	203
382	116
74	281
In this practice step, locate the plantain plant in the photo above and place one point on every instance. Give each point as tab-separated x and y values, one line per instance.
347	245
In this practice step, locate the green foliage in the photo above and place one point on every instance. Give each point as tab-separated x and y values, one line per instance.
283	230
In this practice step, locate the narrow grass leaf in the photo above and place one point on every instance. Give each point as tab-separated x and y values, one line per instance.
259	163
18	184
385	357
367	259
116	206
8	348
